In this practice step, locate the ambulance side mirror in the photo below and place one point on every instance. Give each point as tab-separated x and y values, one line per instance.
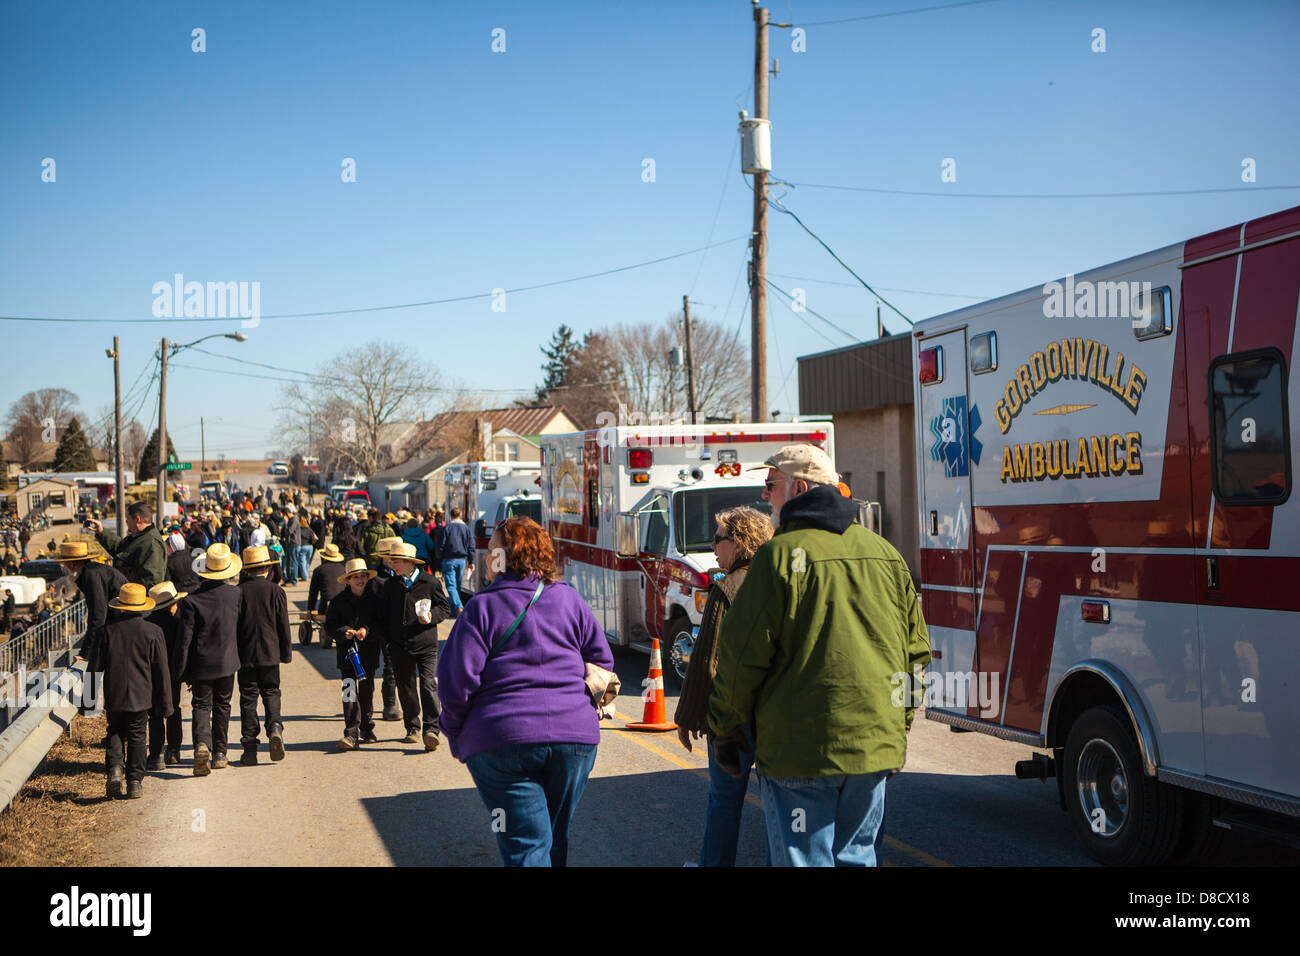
629	535
480	528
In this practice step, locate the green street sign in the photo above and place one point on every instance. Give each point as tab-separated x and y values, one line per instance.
179	465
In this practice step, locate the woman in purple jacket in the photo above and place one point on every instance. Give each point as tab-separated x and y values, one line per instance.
517	711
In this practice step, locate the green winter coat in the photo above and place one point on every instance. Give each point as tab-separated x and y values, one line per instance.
372	535
142	556
817	645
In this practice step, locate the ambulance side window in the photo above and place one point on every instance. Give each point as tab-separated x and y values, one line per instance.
1249	434
656	530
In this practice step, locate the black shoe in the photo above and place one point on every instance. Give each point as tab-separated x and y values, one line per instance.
116	780
172	757
202	759
249	757
390	713
134	789
412	737
155	763
219	761
277	745
369	738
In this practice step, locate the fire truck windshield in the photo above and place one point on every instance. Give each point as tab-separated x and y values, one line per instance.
695	513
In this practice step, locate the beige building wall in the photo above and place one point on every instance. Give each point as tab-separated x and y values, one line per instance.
876	448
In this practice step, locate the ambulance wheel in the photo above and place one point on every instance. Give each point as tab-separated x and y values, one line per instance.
676	652
1200	840
1121	816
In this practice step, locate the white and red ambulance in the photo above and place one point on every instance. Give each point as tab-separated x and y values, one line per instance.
1110	546
631	511
488	492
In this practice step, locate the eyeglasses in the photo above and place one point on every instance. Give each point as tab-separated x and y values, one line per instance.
719	538
772	483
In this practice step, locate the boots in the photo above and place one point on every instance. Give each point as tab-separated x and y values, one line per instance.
116	780
219	761
155	763
172	757
249	758
277	744
134	789
202	759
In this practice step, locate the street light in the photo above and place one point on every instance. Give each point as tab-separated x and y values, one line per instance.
170	349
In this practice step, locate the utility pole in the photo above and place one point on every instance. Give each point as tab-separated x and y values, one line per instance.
203	450
880	326
690	362
119	496
161	491
758	241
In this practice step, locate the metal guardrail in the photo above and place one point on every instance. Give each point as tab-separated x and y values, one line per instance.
49	646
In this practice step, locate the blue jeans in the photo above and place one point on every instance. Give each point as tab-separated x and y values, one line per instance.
531	792
722	815
824	821
305	552
453	570
289	565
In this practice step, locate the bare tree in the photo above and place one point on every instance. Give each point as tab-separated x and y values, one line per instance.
38	418
133	441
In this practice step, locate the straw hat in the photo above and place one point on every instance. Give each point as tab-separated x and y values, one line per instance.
383	544
258	557
132	597
73	551
218	564
402	551
357	566
164	594
331	553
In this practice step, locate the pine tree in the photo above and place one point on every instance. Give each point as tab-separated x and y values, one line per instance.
149	457
73	452
559	360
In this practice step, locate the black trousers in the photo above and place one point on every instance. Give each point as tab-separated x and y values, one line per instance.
417	687
358	705
211	700
388	691
166	731
127	728
261	681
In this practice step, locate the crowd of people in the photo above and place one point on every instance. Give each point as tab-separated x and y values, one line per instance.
807	620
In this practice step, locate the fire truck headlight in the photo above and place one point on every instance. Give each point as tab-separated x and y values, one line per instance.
701	598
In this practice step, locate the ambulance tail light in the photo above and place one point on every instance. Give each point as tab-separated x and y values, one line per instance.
1098	612
929	365
640	458
640	479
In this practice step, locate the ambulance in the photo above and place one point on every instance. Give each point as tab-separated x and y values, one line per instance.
488	492
631	511
1110	546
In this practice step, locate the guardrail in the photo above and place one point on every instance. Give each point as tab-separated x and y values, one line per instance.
50	645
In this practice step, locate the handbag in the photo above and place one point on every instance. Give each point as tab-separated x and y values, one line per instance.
506	636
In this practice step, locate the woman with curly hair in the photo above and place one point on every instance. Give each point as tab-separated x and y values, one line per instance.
515	706
740	533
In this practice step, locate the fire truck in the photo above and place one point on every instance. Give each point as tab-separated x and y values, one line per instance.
1109	546
488	492
631	511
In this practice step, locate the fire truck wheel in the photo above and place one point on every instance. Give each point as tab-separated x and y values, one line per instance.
1121	816
677	651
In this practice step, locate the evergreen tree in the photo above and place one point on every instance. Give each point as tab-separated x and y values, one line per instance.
560	354
149	457
73	452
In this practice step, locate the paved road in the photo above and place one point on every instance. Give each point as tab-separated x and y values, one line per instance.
957	802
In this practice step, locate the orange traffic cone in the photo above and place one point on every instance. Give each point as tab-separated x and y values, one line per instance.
655	716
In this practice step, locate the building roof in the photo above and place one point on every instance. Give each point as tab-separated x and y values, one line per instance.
41	450
417	469
857	377
453	429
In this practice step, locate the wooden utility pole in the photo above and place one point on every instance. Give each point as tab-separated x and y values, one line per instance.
203	451
758	241
690	362
119	495
160	493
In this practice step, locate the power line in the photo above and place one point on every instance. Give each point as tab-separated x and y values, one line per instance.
1126	195
404	305
893	13
721	196
855	285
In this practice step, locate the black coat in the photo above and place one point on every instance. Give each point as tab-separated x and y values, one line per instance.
168	622
180	571
401	628
134	659
207	632
98	584
264	637
347	611
325	584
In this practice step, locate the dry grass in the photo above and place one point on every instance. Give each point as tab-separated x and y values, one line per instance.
52	821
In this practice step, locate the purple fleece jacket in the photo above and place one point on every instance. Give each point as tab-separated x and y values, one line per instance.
532	690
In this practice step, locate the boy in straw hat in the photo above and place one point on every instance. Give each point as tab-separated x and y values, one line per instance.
97	583
165	728
411	605
264	644
326	582
207	653
136	680
349	621
388	686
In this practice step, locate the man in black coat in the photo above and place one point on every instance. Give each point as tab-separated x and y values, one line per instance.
180	564
413	602
136	680
98	584
207	654
264	644
165	728
350	622
388	684
326	584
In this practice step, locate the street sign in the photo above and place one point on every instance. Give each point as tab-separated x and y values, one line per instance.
179	465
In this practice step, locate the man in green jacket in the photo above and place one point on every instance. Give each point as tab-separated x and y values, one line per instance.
818	642
141	555
374	532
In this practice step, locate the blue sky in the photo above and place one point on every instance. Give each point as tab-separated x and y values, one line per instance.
478	170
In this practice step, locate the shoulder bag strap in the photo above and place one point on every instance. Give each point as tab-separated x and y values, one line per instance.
506	636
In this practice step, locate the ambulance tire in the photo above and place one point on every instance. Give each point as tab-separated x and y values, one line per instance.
679	626
1153	812
1200	840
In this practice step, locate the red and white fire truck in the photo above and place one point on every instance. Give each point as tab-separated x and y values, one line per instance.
631	511
1110	548
488	492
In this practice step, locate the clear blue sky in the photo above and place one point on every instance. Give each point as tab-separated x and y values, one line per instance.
479	170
